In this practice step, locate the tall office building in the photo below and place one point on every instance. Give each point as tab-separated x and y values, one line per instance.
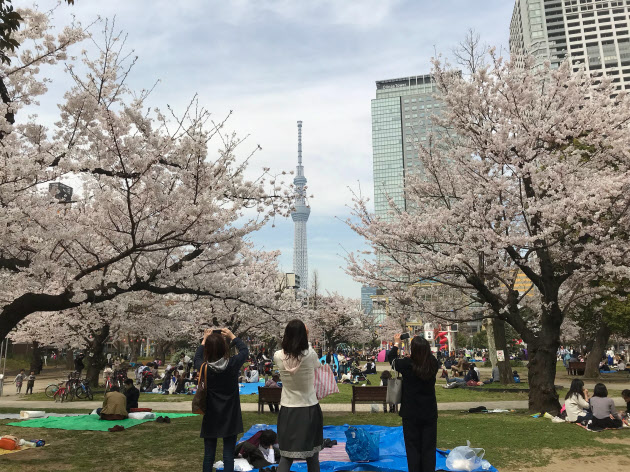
366	298
589	32
300	217
401	118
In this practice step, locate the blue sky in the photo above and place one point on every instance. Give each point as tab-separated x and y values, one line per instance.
274	62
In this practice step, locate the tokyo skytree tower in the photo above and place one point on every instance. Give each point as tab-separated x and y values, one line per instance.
300	217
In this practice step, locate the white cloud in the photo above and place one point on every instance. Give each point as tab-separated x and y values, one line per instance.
278	61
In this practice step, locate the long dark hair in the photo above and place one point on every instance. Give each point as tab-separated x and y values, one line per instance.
577	388
295	339
215	348
421	358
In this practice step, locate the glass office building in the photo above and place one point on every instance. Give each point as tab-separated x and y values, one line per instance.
401	118
590	33
366	298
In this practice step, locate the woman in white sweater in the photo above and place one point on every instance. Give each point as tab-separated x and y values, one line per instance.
300	421
576	402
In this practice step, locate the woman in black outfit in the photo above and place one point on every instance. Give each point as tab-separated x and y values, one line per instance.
222	418
418	406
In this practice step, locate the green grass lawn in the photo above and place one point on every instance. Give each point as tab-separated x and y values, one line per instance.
509	440
344	396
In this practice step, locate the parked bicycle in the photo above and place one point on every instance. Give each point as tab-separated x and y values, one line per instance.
83	390
61	394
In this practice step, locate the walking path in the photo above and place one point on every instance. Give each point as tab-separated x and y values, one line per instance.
326	407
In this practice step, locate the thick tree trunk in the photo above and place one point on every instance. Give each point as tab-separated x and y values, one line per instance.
542	375
161	349
497	342
37	361
96	358
597	351
69	360
134	348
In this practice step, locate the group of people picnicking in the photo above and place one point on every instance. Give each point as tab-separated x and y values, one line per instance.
595	411
611	361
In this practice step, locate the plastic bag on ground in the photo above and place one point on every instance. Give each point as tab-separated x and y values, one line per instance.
362	445
466	458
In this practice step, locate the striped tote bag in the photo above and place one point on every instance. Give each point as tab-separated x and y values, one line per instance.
325	383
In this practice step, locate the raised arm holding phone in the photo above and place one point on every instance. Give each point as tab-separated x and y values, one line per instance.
418	405
222	418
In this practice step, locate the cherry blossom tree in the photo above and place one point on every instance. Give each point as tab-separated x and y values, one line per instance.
527	171
161	203
337	320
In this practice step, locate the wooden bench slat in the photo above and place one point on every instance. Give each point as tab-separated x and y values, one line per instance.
268	395
369	394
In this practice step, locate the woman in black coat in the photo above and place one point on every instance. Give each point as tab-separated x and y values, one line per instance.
418	407
222	418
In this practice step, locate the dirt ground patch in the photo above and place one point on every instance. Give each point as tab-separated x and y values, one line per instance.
597	462
621	441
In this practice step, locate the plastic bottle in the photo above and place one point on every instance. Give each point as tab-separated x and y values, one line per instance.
26	443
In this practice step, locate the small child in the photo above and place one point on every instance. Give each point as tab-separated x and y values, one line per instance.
31	383
19	378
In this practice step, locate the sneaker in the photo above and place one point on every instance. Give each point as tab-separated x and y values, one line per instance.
166	419
159	419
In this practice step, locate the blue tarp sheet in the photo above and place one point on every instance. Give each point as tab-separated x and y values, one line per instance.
392	450
249	388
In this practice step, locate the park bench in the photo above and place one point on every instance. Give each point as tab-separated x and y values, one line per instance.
369	395
268	395
576	368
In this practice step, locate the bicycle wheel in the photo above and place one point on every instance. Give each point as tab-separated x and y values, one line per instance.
80	393
50	390
89	393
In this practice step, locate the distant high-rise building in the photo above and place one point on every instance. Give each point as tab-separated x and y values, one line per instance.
401	119
300	217
366	298
590	32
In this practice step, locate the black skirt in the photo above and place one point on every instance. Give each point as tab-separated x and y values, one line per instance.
300	431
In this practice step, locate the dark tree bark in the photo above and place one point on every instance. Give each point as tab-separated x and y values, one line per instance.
597	351
37	361
161	349
96	359
134	348
541	374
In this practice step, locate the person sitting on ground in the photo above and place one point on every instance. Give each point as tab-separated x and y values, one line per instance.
576	403
273	383
621	365
625	394
603	408
252	375
180	381
369	368
496	376
471	376
460	368
114	405
603	365
132	394
346	378
261	451
166	380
